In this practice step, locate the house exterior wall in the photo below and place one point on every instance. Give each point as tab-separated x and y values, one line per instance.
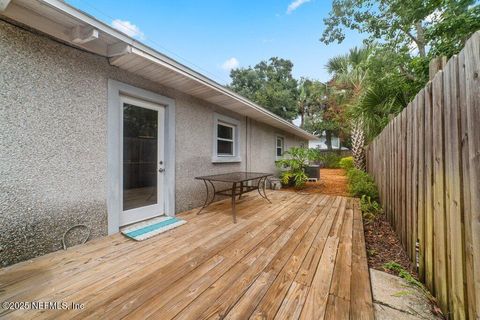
53	143
261	149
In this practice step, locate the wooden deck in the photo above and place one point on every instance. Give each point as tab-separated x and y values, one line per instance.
301	257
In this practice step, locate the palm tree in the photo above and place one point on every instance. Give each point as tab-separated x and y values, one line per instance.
304	97
358	144
349	73
376	106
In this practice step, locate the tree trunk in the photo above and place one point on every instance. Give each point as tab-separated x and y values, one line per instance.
358	144
328	139
420	38
301	111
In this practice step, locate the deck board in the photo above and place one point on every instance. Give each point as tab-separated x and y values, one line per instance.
291	259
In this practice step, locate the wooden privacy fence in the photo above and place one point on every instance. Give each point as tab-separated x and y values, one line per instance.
426	163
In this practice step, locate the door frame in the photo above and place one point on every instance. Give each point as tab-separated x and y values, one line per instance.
157	209
117	89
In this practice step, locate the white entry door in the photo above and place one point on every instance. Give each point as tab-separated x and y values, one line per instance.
142	157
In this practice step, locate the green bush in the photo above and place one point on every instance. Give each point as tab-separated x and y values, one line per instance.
328	159
294	178
370	208
294	163
346	163
361	183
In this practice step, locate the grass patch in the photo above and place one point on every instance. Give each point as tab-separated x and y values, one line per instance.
404	274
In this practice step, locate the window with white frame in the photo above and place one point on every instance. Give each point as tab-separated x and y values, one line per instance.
279	146
226	139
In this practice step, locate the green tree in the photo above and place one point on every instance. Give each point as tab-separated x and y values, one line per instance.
385	92
270	84
311	96
328	116
349	75
416	30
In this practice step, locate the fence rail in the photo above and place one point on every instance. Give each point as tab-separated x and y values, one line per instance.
426	163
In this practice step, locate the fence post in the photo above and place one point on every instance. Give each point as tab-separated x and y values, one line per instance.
435	65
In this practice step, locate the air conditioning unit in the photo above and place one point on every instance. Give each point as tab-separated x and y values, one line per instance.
313	172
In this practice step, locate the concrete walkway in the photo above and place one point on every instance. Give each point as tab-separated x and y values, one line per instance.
394	298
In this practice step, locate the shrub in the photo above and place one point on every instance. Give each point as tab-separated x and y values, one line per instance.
361	183
295	161
328	159
346	163
370	208
295	178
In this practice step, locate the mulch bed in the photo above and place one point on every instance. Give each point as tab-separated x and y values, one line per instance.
383	246
332	182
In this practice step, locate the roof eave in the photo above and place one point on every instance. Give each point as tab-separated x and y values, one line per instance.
161	59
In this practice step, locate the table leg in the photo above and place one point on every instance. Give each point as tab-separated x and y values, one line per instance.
234	212
264	189
241	190
207	202
262	182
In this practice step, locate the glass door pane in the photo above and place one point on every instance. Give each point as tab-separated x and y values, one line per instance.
140	156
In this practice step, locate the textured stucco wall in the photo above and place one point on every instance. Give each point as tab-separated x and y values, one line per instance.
194	148
53	142
261	149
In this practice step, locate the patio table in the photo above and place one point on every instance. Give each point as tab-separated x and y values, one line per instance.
240	185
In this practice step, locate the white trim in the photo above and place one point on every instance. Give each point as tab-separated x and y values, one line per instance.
283	146
81	35
114	187
118	49
233	141
235	125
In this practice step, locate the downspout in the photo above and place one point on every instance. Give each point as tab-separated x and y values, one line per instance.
246	143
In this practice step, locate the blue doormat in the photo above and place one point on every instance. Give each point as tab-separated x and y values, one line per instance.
147	229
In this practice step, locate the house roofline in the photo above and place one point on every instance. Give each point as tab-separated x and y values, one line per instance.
156	57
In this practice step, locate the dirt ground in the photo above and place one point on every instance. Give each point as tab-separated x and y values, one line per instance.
332	182
382	243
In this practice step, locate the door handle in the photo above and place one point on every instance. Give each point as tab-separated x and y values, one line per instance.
161	170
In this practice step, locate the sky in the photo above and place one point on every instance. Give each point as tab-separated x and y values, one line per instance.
214	36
